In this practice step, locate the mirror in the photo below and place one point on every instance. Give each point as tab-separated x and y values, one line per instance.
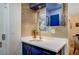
51	15
42	20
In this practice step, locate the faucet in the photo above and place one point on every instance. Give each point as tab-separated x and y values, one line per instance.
39	22
39	34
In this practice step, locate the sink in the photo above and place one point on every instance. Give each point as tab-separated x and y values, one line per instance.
36	39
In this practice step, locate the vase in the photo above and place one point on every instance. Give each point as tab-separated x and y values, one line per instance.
34	34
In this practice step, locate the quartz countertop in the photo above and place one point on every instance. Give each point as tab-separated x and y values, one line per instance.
49	43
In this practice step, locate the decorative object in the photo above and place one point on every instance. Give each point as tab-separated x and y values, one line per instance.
34	32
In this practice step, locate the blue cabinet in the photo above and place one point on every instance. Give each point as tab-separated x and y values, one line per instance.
36	51
39	51
28	49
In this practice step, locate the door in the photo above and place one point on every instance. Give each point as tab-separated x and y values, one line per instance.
10	15
3	28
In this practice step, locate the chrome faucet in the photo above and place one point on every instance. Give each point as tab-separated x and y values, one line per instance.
39	22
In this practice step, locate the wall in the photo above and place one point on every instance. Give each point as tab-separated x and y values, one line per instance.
15	28
60	31
73	9
28	19
72	30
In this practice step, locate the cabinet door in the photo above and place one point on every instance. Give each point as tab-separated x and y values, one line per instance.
26	49
38	51
33	50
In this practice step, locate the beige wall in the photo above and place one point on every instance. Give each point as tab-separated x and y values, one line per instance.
60	32
28	20
72	30
73	17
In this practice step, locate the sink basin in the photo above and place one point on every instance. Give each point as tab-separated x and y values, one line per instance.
35	39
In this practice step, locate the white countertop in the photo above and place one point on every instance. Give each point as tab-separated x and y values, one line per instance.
52	44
